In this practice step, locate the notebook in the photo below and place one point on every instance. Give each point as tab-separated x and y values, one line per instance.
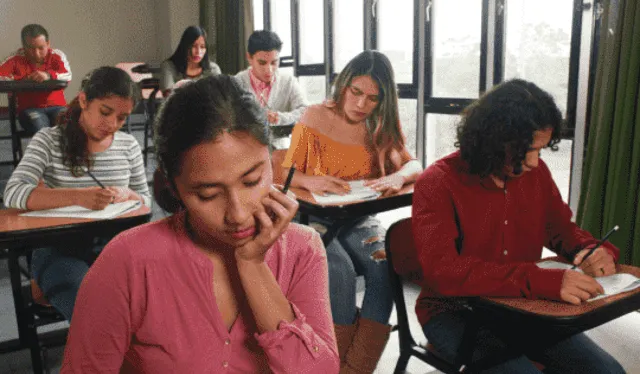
76	211
358	192
612	284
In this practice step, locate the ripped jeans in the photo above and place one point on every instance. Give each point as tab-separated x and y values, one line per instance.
358	249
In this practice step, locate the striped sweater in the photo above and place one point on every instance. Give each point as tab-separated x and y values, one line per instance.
120	165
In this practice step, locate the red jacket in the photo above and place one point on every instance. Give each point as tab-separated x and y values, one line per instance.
475	239
18	67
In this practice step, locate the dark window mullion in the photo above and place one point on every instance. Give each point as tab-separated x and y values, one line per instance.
428	52
416	45
370	14
295	37
498	42
266	14
574	67
484	40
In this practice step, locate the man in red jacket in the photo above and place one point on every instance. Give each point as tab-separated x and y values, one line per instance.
481	217
38	62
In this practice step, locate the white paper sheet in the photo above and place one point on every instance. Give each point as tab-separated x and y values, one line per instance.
612	284
76	211
358	192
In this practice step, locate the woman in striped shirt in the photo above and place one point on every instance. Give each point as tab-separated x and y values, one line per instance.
54	173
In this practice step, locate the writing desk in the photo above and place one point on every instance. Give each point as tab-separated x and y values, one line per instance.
340	213
12	87
20	235
560	320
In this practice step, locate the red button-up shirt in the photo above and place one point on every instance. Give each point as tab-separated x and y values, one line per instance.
475	239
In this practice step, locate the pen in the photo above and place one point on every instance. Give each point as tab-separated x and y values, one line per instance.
289	178
95	179
604	238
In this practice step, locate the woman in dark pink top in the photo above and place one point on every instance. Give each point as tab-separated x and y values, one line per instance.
227	284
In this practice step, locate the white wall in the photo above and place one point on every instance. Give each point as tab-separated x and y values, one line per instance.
179	15
93	33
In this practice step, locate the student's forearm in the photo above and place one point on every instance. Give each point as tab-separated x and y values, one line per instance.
410	171
48	198
298	179
266	300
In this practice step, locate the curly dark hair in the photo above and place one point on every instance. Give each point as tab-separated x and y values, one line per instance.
498	127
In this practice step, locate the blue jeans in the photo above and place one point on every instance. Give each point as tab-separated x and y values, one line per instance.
34	119
351	253
577	354
59	272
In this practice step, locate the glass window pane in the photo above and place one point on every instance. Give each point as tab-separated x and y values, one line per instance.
258	15
281	24
286	71
407	109
395	36
311	25
348	38
559	163
457	32
313	87
538	43
440	135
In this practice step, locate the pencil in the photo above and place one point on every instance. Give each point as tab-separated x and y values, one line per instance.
601	242
289	178
95	179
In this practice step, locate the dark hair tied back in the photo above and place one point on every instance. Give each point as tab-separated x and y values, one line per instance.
101	83
199	112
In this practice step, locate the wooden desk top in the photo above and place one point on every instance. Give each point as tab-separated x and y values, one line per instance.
308	204
29	85
18	230
587	315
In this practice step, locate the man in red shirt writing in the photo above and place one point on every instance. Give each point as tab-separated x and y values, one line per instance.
481	217
38	62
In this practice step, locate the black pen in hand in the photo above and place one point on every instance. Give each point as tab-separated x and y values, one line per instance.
601	242
287	183
95	179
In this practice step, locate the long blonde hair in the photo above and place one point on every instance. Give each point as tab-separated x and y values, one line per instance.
383	125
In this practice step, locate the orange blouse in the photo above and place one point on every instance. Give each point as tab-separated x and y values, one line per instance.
314	153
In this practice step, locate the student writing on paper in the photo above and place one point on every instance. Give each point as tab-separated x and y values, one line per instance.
481	217
226	284
356	135
52	174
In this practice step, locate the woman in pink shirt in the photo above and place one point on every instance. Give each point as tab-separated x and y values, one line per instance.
227	284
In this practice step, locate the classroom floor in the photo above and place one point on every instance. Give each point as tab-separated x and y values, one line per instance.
621	337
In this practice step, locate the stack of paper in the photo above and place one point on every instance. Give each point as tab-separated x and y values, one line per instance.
612	284
76	211
358	192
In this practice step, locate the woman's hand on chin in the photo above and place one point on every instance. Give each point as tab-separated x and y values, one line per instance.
277	211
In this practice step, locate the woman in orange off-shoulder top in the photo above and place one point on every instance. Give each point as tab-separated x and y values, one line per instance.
356	136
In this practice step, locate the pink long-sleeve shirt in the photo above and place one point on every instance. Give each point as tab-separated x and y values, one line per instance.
147	306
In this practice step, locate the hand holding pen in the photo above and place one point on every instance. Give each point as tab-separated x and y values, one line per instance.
596	261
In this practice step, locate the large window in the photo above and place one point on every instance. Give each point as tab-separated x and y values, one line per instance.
538	44
440	136
281	24
395	36
311	32
456	48
258	14
348	24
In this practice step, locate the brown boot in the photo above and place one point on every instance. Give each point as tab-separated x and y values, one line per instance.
367	347
344	337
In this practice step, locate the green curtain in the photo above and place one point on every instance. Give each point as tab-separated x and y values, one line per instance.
610	193
229	24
